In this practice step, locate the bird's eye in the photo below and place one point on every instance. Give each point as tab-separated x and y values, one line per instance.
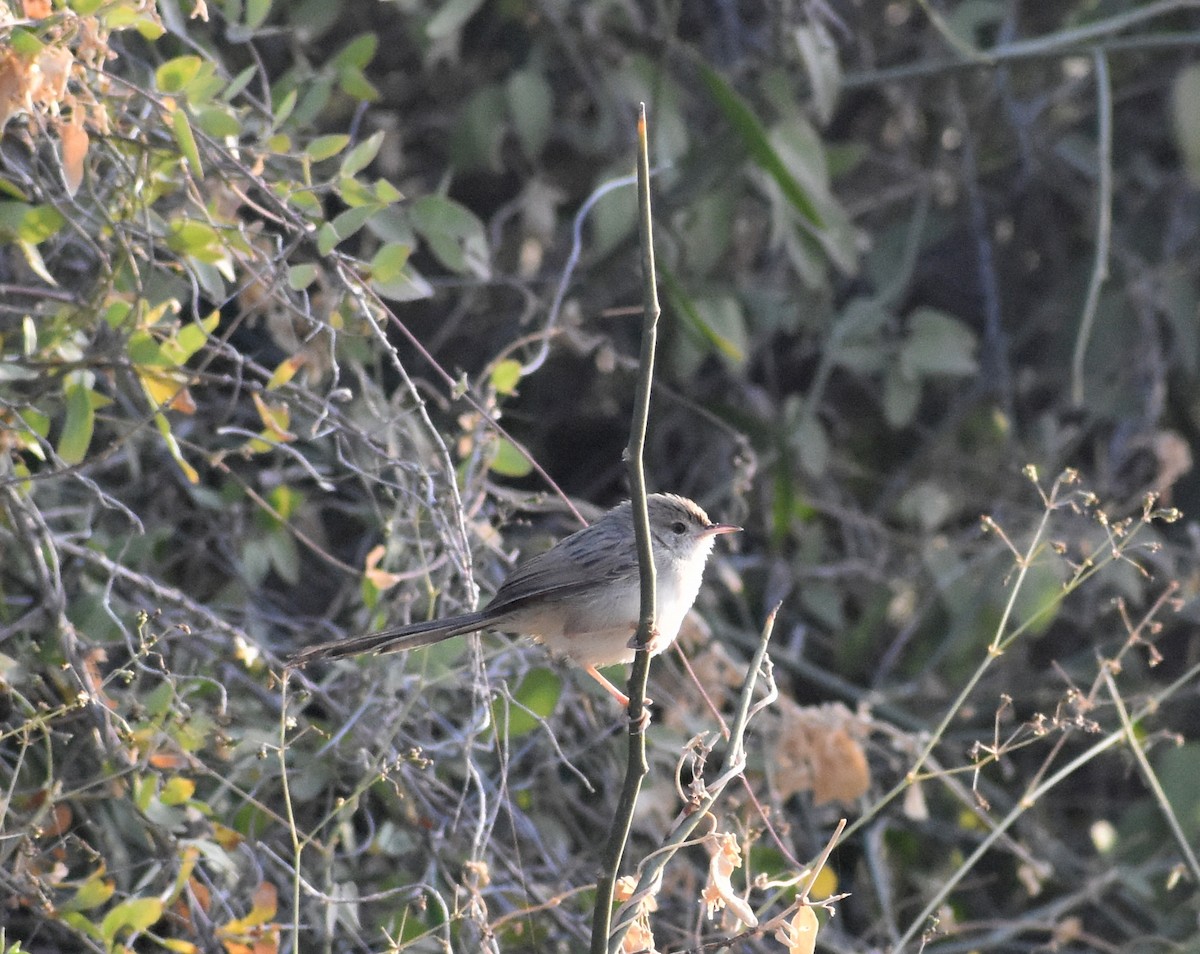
679	527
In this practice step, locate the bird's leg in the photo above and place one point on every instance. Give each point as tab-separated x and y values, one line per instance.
622	699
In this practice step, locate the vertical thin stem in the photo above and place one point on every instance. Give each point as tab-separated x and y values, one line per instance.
1104	200
636	767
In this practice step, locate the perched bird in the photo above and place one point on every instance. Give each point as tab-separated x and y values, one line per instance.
582	597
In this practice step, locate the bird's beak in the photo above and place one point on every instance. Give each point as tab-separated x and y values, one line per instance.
718	528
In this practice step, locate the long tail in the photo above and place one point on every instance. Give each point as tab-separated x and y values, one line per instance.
391	640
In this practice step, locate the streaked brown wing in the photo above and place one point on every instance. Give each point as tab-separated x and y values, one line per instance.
573	566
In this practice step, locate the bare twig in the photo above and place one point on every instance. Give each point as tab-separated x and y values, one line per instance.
636	767
651	871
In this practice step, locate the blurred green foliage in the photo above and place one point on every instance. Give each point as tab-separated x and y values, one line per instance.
306	339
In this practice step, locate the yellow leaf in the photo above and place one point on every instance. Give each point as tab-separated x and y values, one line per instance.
166	389
136	914
263	907
286	371
275	418
177	791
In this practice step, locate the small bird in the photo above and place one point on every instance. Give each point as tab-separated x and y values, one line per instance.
582	597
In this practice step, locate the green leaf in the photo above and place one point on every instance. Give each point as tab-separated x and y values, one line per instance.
386	193
937	344
361	155
355	192
327	238
354	83
393	225
187	141
388	263
538	692
191	338
410	285
901	395
358	52
509	462
530	102
1040	598
301	276
926	505
40	223
477	137
303	200
196	239
257	12
757	143
219	122
506	375
25	43
352	220
1185	119
95	891
78	426
164	429
29	223
283	109
453	233
324	147
136	914
819	53
810	442
613	220
451	18
175	74
721	322
239	83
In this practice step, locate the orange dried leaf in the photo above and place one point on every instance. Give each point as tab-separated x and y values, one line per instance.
847	776
14	85
62	820
201	893
36	9
380	579
74	151
266	901
168	760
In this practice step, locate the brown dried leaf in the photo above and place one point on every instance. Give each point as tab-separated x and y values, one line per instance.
52	70
719	892
800	935
818	749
